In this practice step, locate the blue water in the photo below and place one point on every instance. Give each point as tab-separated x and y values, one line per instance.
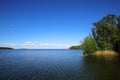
54	65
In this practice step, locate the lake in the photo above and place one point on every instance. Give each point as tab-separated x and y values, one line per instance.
55	64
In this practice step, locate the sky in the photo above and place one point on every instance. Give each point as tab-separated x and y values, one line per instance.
50	24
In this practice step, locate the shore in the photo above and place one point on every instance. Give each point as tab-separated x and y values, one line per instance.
107	54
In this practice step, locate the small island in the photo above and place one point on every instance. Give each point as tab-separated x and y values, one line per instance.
5	48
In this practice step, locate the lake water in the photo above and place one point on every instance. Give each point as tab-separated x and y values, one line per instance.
55	65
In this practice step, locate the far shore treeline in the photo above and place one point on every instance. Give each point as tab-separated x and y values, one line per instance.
5	48
104	35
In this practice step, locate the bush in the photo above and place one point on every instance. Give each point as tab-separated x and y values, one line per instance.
89	45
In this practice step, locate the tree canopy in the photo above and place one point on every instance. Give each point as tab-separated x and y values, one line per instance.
106	32
89	45
105	35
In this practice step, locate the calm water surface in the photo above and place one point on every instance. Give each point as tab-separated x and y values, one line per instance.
55	65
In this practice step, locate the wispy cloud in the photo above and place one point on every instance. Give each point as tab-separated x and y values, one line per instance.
36	45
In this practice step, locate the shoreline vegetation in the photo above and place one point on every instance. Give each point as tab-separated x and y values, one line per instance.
75	47
6	48
106	54
104	39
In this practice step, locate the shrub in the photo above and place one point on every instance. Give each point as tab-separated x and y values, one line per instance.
89	45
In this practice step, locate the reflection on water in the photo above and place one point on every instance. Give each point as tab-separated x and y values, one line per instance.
102	69
55	65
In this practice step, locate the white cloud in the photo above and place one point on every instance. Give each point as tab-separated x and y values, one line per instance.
9	44
28	43
36	45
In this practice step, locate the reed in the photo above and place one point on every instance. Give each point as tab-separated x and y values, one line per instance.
106	54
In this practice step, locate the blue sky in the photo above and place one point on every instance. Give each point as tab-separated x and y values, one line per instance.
50	23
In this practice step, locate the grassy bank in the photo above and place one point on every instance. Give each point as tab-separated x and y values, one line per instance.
107	54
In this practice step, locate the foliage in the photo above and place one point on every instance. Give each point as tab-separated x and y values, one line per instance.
106	32
75	47
105	36
89	45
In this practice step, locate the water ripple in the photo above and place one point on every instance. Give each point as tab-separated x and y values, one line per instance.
50	65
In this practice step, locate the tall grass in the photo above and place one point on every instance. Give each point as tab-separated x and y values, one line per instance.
106	54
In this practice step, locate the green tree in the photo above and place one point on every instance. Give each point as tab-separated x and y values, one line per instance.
89	45
117	36
105	35
106	32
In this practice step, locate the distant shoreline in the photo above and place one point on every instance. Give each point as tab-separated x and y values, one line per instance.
6	48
